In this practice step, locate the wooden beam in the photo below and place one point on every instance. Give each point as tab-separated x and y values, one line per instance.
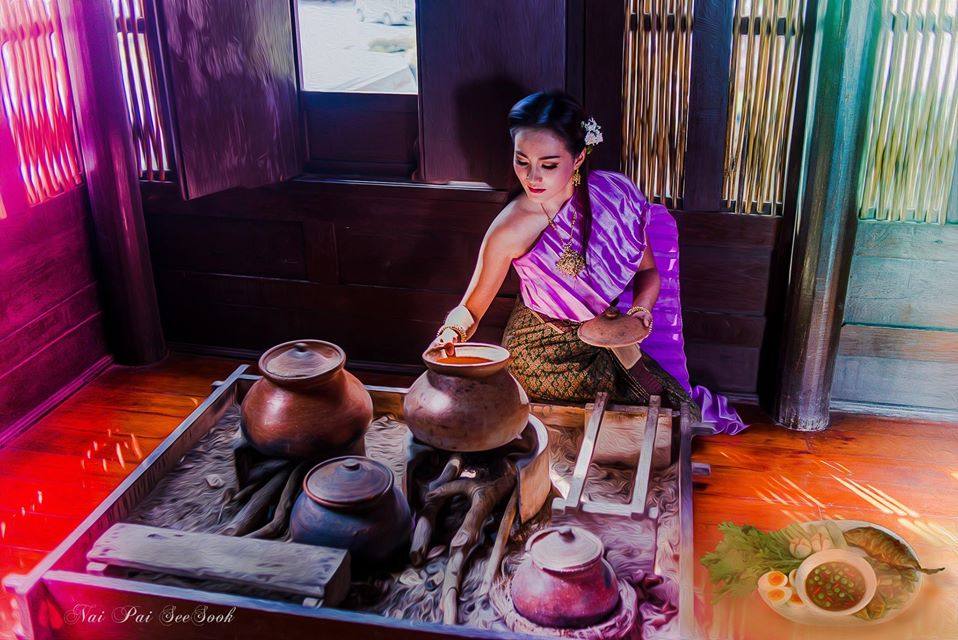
842	71
708	105
113	181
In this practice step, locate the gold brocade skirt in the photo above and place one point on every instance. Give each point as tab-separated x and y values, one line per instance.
554	365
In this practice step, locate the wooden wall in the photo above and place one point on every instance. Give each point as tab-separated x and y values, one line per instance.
375	268
51	324
899	343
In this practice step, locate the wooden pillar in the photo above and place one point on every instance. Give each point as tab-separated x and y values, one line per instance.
112	178
842	69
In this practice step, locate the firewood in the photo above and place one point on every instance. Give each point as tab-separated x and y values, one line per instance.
276	526
252	512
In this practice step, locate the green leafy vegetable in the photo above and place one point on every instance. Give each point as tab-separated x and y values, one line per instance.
744	555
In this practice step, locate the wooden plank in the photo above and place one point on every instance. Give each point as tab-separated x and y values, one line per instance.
899	343
465	93
724	367
281	567
47	326
584	458
720	279
638	505
711	228
53	366
383	130
897	382
604	34
708	100
722	328
914	293
907	241
254	138
399	258
220	245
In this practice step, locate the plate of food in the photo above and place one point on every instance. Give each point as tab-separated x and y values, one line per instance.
826	572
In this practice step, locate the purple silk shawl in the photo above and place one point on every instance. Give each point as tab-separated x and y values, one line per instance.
623	223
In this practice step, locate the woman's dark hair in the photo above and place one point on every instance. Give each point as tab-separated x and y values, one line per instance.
560	113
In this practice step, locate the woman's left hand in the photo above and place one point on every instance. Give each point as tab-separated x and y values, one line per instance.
644	315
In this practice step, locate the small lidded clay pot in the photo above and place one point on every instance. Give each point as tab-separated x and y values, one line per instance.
564	582
352	503
306	405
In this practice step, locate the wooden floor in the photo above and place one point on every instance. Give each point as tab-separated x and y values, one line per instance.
903	474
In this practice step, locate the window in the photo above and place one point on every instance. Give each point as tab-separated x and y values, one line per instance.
36	98
656	96
366	46
766	43
909	167
150	137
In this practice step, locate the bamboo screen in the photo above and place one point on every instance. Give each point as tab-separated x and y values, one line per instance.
35	91
909	161
762	78
140	82
656	96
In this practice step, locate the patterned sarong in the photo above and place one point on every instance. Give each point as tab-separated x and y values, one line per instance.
554	365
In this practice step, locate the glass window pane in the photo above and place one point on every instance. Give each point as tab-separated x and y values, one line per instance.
366	46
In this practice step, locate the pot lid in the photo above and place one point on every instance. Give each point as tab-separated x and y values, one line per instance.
565	548
347	481
301	360
613	329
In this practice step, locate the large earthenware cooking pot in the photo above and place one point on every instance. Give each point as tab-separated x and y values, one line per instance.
564	581
306	405
466	402
352	503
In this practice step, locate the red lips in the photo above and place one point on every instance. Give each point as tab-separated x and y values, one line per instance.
534	190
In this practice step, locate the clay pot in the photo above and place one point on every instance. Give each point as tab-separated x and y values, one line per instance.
564	581
466	403
306	405
352	503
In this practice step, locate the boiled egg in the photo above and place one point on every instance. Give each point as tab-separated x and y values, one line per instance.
795	600
778	595
772	580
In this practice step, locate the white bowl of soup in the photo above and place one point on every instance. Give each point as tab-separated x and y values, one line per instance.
835	582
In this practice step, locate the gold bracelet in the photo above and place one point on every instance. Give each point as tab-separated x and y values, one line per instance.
459	331
638	308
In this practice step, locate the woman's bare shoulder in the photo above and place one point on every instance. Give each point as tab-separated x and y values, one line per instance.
516	226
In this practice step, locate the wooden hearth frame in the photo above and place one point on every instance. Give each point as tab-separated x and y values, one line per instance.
59	581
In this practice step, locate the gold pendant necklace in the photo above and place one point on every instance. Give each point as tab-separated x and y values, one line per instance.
570	261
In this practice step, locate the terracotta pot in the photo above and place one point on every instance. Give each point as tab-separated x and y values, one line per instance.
564	581
306	405
352	503
467	403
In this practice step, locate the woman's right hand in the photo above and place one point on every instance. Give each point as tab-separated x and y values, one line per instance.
446	339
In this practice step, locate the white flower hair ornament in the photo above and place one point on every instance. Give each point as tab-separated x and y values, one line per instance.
593	133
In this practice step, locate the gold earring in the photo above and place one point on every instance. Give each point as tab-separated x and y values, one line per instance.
576	178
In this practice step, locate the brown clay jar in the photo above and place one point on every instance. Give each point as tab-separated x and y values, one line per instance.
306	406
467	401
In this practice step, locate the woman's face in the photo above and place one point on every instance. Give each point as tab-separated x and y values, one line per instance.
543	164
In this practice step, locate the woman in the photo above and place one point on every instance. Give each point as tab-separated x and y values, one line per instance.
580	242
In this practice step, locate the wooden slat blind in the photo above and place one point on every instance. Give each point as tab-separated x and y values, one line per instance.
656	96
140	81
908	167
36	97
767	40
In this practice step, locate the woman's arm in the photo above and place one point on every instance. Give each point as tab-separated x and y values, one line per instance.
507	238
646	286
